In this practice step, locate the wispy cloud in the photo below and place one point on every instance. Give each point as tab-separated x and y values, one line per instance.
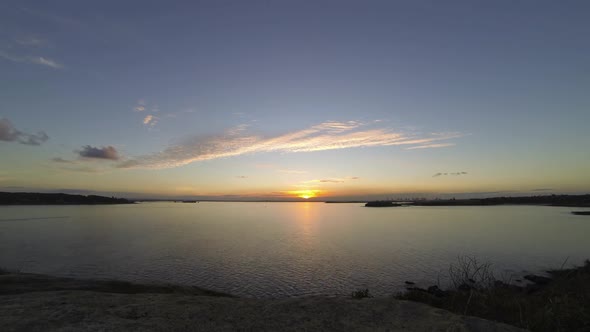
52	17
149	120
451	174
82	169
291	171
81	164
265	166
332	180
46	62
38	60
237	130
330	135
8	133
241	176
430	146
60	160
31	41
105	152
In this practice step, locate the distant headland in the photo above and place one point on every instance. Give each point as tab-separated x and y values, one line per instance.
548	200
382	204
7	198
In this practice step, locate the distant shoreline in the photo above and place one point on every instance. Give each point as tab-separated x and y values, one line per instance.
18	198
548	200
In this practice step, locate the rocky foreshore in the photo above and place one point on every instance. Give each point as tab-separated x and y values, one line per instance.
30	302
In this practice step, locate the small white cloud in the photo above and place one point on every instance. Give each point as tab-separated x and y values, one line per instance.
140	106
148	119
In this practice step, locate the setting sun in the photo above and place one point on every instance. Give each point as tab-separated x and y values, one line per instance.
305	194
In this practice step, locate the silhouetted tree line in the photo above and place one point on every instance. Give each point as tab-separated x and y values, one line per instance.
57	199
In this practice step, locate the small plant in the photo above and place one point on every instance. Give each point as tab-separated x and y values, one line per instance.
361	294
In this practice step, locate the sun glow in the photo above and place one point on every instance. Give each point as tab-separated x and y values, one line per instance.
305	194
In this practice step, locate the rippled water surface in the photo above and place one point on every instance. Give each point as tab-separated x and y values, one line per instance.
285	249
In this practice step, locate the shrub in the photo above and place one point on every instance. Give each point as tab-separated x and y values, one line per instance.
361	294
560	304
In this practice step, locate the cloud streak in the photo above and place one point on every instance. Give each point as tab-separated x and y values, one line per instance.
31	41
430	146
333	180
38	60
330	135
8	133
60	160
451	174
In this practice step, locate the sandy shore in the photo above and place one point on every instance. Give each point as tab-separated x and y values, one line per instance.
30	302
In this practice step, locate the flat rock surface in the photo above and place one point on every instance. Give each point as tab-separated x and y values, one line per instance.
161	309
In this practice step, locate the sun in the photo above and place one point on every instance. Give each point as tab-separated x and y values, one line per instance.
305	194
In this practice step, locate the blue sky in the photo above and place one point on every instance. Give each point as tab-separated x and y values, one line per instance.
204	97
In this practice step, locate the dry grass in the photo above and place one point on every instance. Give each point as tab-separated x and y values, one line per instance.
469	273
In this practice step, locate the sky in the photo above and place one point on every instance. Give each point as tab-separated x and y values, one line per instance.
295	99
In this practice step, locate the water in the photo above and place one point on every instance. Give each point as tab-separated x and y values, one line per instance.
286	249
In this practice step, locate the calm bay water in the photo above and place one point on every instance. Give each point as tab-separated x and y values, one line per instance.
286	249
